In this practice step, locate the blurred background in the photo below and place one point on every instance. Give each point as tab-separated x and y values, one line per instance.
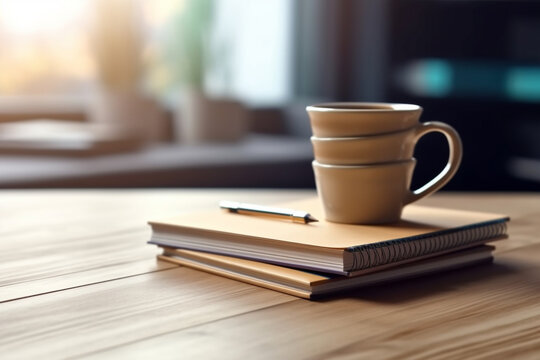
212	93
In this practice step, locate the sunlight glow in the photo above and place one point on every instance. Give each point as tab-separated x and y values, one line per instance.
22	17
44	44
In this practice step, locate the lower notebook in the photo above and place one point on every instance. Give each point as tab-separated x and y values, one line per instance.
309	284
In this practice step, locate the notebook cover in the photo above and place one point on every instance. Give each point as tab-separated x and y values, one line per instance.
416	221
305	284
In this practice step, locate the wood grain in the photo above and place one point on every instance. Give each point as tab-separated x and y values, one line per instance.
80	278
481	312
86	319
61	239
77	280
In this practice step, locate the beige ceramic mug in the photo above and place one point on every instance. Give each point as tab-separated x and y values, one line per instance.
382	148
370	194
361	119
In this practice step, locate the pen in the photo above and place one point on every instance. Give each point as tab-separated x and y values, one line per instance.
252	209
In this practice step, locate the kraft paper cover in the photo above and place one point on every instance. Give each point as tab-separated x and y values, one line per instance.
416	220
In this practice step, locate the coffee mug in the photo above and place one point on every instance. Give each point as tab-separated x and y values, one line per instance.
370	194
361	119
382	148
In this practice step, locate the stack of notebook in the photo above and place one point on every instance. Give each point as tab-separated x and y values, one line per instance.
319	258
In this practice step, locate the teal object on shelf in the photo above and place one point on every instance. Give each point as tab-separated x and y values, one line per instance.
478	79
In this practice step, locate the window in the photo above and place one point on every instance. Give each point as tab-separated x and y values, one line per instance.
44	47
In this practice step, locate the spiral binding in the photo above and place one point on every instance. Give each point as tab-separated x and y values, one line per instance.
371	255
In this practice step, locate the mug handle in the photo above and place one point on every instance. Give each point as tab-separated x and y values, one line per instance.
454	159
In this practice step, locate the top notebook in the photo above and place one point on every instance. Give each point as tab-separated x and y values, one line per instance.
326	246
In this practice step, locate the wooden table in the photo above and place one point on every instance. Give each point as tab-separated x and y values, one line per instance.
77	280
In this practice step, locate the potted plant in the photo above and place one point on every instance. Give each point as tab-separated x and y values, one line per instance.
199	117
